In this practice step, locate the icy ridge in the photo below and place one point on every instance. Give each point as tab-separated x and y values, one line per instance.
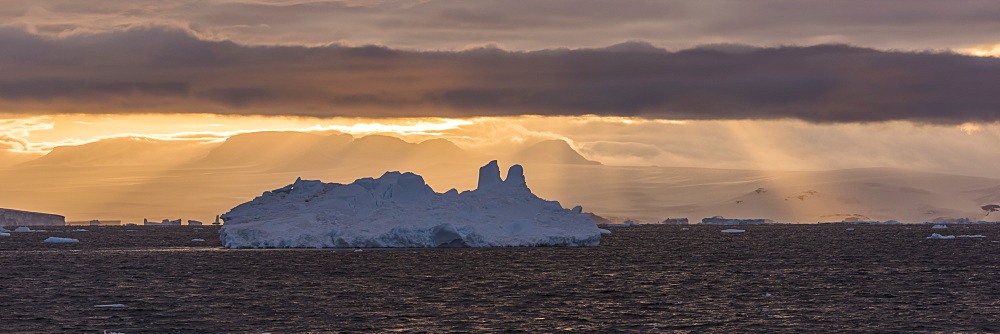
401	210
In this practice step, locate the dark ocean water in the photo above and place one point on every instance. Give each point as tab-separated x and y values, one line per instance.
641	279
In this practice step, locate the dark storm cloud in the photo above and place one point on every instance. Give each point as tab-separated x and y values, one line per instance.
536	24
167	70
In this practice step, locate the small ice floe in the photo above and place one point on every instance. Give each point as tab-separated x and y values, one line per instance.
938	236
732	230
684	228
850	229
110	306
26	229
198	240
80	230
939	226
359	250
603	231
971	236
61	240
626	223
768	295
4	234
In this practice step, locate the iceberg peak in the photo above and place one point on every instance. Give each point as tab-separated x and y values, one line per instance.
489	175
515	177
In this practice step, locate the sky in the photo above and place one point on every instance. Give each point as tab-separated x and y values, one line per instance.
782	84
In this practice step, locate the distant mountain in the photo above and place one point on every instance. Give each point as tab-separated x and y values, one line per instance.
124	151
8	158
552	152
263	148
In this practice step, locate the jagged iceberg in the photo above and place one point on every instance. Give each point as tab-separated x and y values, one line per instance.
400	210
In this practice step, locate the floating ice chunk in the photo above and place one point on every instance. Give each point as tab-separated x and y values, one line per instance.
971	236
732	230
850	229
80	230
4	234
61	240
768	295
939	226
938	236
3	229
110	306
198	240
603	231
684	228
26	229
400	210
628	222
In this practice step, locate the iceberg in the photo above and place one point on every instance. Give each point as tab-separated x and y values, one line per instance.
401	210
61	240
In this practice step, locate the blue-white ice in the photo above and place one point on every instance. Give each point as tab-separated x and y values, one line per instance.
732	230
61	240
110	306
400	210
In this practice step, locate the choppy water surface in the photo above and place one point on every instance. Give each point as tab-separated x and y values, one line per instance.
642	279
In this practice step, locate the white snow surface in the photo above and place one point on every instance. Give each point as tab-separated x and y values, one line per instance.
400	210
61	240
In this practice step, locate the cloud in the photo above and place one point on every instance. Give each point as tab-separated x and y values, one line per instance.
534	24
168	70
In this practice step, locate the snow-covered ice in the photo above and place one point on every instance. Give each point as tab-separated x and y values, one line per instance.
400	210
732	230
4	234
939	226
61	240
938	236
